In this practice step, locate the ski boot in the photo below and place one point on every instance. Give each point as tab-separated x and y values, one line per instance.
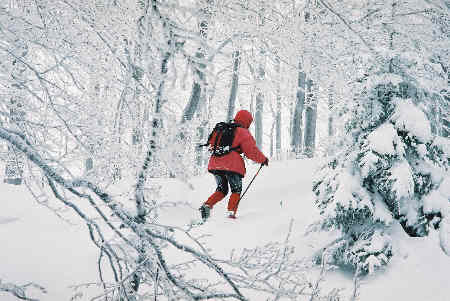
205	211
232	214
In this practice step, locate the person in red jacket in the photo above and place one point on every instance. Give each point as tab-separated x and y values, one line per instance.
229	169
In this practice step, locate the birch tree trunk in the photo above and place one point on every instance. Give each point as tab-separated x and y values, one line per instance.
234	84
296	135
310	120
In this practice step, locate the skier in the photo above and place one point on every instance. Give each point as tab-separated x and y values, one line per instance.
229	169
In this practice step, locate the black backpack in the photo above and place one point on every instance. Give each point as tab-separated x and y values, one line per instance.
223	140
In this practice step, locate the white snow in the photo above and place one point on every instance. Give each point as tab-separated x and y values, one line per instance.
41	248
368	163
444	235
408	117
422	150
402	177
444	188
378	242
6	220
384	139
437	201
381	212
444	144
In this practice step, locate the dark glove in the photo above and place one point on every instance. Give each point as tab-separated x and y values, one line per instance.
266	162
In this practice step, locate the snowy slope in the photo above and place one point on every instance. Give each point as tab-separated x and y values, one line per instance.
37	246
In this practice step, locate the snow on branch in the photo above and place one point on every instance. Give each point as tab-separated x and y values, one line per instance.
145	234
19	291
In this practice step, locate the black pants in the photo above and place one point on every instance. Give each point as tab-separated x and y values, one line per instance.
225	178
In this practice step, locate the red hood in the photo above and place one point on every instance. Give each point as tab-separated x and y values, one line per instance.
244	118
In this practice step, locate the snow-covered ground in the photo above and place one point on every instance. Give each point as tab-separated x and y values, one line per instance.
37	246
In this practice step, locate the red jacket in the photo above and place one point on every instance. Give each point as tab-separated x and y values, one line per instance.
243	139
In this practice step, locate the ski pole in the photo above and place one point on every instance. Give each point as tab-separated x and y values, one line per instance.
248	186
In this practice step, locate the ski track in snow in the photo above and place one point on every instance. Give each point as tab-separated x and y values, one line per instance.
7	220
41	248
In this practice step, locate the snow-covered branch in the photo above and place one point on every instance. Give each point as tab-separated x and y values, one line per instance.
19	291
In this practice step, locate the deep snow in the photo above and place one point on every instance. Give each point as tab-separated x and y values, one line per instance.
35	245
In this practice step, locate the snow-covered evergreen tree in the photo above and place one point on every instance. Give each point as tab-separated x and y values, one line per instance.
392	168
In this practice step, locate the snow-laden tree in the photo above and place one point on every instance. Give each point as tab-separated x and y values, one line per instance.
391	167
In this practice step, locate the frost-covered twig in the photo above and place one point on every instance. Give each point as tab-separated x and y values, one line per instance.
145	234
275	270
332	10
19	291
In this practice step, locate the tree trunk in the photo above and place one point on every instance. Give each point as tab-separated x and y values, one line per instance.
260	75
198	86
259	104
146	167
272	145
330	112
278	114
310	120
434	116
234	84
88	164
194	99
139	192
296	136
446	128
445	118
258	119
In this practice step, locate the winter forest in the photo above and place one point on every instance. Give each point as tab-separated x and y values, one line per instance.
103	106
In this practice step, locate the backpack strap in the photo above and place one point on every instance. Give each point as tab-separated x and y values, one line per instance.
210	135
216	130
216	140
